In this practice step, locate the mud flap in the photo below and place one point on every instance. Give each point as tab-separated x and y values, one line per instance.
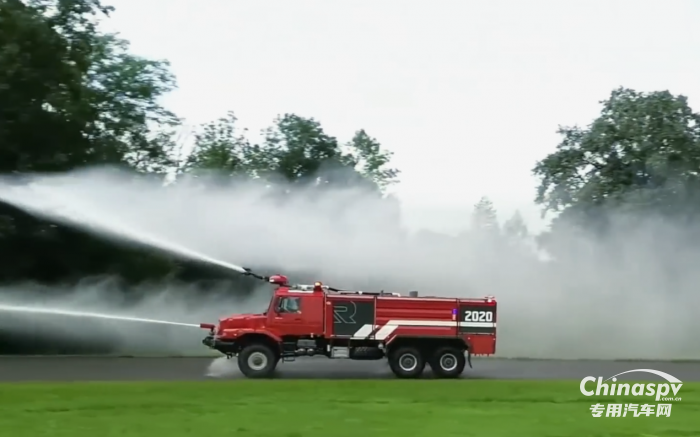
469	358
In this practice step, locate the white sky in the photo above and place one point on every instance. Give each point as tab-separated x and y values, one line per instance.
467	94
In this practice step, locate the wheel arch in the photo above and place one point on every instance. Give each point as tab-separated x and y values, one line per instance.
260	338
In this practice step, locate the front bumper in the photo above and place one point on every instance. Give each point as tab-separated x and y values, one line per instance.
223	346
209	341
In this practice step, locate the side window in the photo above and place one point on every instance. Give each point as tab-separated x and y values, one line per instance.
290	305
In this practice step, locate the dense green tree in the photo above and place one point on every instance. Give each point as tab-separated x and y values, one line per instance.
639	161
641	154
294	149
39	91
72	95
219	146
365	154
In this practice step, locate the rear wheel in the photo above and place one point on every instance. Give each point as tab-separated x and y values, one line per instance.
407	362
448	362
257	361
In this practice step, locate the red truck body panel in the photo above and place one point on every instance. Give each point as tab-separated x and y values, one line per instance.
391	317
374	318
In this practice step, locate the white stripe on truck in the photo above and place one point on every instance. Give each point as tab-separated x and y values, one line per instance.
386	330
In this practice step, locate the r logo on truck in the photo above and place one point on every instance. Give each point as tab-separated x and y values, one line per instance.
345	313
349	316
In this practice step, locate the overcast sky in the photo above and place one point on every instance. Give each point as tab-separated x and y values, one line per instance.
467	94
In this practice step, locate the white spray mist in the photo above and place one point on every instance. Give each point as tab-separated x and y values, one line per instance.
626	307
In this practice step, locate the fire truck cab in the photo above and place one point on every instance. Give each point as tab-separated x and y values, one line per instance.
316	320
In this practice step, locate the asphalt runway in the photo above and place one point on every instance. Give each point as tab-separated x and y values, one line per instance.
24	369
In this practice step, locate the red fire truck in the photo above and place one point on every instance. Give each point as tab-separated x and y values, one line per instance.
310	320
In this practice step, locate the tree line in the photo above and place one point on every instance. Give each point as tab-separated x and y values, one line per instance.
72	95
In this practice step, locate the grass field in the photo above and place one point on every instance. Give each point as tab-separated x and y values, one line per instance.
345	408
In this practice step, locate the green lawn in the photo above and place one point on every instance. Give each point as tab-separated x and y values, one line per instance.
349	408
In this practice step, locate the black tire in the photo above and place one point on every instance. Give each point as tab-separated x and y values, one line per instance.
407	362
448	362
257	361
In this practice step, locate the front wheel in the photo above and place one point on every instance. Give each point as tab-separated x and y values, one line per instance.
407	362
257	361
448	362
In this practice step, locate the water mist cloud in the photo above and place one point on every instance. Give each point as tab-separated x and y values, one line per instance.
624	306
175	303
